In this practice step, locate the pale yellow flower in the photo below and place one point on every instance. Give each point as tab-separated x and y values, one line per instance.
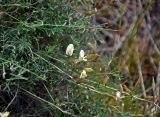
4	114
70	49
88	69
83	74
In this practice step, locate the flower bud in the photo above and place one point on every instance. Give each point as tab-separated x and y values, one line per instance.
88	69
69	50
118	95
81	54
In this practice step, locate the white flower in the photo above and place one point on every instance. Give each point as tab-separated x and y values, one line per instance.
118	95
4	114
81	56
95	10
83	74
69	50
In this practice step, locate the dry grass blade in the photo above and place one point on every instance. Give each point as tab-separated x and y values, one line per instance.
140	74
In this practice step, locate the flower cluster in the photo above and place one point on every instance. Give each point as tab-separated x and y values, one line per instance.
70	50
82	57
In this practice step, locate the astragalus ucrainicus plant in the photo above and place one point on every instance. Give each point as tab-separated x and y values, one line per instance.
50	66
34	35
